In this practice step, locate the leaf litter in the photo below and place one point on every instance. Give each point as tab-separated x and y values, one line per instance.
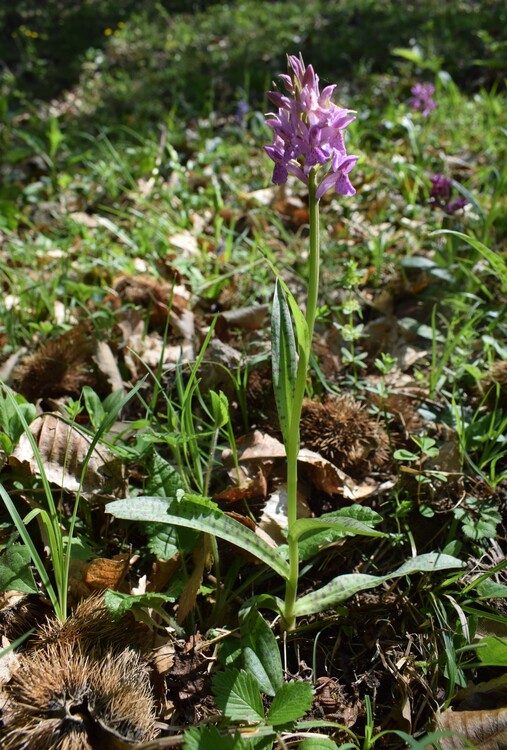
377	647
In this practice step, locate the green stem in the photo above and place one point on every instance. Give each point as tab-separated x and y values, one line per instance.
293	440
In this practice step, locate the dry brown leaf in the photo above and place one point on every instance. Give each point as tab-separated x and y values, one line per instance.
160	299
326	476
260	532
256	445
486	729
9	662
261	197
63	450
107	365
251	484
261	447
201	557
103	573
86	220
274	519
480	715
162	572
185	243
247	318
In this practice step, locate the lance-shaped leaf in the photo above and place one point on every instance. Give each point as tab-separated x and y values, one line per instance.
283	353
342	523
203	517
345	586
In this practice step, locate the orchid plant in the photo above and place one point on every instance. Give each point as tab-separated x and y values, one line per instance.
308	143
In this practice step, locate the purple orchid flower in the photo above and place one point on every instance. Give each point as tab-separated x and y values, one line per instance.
308	132
441	194
422	98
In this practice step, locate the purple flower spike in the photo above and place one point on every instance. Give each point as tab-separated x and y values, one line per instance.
441	194
308	132
422	98
441	187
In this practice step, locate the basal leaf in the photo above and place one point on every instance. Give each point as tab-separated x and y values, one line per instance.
291	701
345	586
427	563
492	651
238	697
194	514
313	542
492	590
346	525
336	591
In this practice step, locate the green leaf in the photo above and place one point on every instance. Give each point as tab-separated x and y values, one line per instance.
313	542
219	409
209	738
194	514
237	696
15	572
291	702
318	743
283	353
336	591
93	406
302	332
261	653
492	651
6	443
27	539
409	53
347	526
403	455
164	480
345	586
495	259
165	541
492	590
118	603
10	420
427	563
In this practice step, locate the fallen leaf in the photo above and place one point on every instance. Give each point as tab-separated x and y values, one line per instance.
185	243
261	447
103	573
274	519
247	318
480	715
107	365
63	450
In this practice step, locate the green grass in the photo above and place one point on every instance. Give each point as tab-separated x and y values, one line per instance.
129	161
